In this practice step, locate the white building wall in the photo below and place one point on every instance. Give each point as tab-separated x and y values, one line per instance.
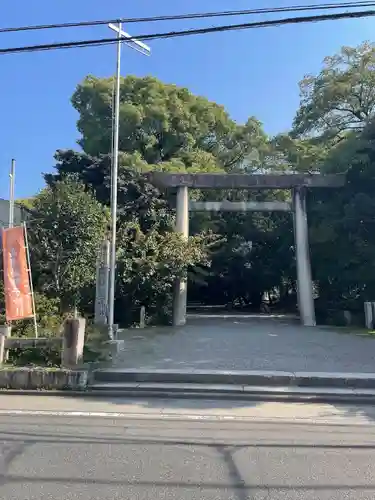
19	214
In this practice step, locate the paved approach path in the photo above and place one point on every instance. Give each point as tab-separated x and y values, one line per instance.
243	343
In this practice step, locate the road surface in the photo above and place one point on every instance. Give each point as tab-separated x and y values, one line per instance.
105	456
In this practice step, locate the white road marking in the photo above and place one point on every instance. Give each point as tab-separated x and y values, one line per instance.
52	413
358	420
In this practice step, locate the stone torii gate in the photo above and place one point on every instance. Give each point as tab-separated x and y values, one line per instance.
297	183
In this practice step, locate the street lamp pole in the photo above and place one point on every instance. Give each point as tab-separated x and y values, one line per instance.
114	175
144	49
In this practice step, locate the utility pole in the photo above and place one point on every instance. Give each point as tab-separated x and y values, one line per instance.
144	49
114	175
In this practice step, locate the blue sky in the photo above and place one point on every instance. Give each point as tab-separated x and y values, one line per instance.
253	72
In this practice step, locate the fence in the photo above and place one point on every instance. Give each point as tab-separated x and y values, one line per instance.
71	342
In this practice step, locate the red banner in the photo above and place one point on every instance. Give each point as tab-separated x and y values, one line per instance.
18	300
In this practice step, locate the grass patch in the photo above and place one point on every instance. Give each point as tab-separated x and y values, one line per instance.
351	330
95	350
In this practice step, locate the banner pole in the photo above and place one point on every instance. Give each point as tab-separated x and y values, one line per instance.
12	179
30	279
11	192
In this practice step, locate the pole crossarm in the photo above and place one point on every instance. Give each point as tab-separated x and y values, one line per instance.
240	206
245	181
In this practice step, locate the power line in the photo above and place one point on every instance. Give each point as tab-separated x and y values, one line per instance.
200	31
205	15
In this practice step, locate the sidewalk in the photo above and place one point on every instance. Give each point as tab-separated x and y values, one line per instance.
176	409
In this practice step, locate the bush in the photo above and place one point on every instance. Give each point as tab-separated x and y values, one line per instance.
49	357
49	322
148	267
49	319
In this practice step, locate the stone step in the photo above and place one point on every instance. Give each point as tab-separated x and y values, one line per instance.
233	391
240	378
186	387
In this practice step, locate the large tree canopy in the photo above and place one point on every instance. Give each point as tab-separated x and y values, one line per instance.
163	123
342	230
341	97
138	200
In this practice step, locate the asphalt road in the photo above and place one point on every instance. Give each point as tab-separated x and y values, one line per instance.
56	457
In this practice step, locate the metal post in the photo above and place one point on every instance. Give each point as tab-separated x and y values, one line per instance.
304	280
12	179
11	192
30	279
114	173
182	226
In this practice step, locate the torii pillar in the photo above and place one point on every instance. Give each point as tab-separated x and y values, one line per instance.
182	227
305	291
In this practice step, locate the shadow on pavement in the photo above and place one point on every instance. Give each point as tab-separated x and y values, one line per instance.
242	410
96	452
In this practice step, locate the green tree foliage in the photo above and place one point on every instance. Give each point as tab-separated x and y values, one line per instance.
148	266
255	256
162	123
300	155
343	236
150	255
341	97
26	202
165	127
138	200
64	238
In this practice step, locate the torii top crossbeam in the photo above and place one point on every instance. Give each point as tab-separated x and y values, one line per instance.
245	181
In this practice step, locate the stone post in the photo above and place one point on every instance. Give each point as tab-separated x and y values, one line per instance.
4	334
182	226
102	282
142	317
304	280
73	341
369	315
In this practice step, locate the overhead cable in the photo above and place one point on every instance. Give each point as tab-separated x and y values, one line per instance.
198	31
199	15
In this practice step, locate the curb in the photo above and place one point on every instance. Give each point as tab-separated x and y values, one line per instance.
332	397
318	387
235	377
285	398
267	395
213	396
